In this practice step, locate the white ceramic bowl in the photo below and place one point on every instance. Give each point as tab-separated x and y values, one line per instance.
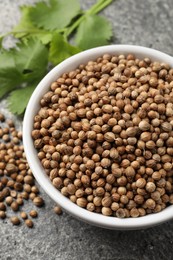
31	153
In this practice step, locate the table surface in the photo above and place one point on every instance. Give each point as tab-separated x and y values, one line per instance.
147	23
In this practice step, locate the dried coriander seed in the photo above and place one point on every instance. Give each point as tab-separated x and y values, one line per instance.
33	213
2	214
16	180
14	206
23	215
15	220
9	200
57	210
2	206
106	143
38	201
29	223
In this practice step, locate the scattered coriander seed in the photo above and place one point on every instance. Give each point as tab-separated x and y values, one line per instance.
2	206
57	210
29	179
19	201
27	188
23	215
13	193
9	200
2	214
15	220
14	206
29	223
32	196
25	195
33	213
38	201
35	189
16	180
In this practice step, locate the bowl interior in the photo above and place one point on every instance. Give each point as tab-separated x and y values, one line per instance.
31	153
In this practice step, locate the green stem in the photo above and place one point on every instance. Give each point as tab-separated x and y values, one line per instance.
100	5
70	29
28	31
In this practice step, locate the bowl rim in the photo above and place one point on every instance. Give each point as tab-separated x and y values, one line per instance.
73	209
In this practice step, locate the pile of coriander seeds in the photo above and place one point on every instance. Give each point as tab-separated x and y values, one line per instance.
17	184
104	135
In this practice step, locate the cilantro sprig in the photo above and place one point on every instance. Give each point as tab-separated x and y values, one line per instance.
47	34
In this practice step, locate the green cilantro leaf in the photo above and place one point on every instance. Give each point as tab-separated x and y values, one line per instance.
60	49
45	38
31	59
18	99
25	64
26	27
93	31
25	23
57	14
10	77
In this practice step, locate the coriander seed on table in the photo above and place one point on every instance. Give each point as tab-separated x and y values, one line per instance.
104	134
16	181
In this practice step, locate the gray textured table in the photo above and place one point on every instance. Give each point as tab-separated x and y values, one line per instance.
143	22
